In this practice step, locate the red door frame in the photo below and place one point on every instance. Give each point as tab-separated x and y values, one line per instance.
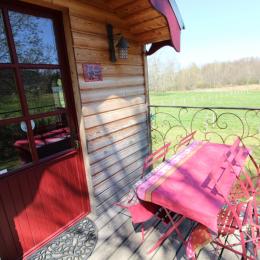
43	167
63	66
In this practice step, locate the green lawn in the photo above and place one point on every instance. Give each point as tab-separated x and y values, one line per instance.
217	125
200	98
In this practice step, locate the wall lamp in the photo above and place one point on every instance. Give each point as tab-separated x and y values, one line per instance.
122	45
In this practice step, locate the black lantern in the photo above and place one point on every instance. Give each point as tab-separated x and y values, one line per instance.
122	45
122	48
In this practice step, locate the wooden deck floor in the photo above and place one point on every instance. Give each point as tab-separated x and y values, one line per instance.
118	240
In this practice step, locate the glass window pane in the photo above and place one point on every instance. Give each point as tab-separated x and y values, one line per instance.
34	39
52	135
4	50
43	90
9	100
14	147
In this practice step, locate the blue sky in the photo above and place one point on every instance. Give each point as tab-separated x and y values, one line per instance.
217	31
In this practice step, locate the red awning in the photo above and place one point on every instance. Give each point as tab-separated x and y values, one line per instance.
169	9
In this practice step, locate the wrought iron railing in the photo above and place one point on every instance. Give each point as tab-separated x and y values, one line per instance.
216	124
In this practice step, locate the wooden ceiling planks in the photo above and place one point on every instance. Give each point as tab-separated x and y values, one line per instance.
149	25
137	20
157	35
114	4
145	23
131	8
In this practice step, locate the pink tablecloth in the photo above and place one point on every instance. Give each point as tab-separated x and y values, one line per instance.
182	183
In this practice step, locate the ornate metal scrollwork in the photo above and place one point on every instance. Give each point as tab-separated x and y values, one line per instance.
216	124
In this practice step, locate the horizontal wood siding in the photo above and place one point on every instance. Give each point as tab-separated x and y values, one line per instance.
115	109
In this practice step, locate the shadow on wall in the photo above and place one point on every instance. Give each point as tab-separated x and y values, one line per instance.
116	152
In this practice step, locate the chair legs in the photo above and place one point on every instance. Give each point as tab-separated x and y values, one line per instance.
245	244
142	229
173	228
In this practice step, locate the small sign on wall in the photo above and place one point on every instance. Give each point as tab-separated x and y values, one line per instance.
92	72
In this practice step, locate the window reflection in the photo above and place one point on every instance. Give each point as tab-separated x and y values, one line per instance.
9	100
52	135
14	148
4	50
34	39
43	89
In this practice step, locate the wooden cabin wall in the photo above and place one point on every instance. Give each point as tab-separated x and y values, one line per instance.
115	109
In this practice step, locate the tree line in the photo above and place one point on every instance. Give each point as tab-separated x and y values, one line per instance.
163	77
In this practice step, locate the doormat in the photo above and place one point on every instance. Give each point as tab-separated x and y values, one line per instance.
78	242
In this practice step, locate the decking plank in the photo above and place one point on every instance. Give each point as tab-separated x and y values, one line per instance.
173	244
106	204
110	238
150	241
134	241
117	239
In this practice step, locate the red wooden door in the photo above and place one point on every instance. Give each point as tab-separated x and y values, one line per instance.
43	186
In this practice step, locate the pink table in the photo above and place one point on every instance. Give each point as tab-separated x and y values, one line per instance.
182	183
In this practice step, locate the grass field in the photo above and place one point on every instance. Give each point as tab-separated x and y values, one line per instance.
217	125
233	98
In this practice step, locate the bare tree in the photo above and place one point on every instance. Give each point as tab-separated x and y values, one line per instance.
218	74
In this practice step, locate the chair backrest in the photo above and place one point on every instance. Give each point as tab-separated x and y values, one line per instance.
155	157
185	140
231	163
240	212
257	166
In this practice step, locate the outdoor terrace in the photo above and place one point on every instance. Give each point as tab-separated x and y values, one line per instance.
117	238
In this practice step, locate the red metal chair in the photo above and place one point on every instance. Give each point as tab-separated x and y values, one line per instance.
142	212
174	219
152	159
164	214
239	218
185	141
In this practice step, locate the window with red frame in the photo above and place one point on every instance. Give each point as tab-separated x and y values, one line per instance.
35	122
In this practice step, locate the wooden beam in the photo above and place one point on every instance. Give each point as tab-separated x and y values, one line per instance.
115	149
115	137
93	56
117	3
113	70
108	117
116	168
115	159
141	16
84	10
112	104
149	25
111	82
99	131
97	42
111	93
131	8
156	35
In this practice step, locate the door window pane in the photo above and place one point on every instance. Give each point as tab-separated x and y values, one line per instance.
9	100
4	50
34	39
43	89
14	148
52	135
